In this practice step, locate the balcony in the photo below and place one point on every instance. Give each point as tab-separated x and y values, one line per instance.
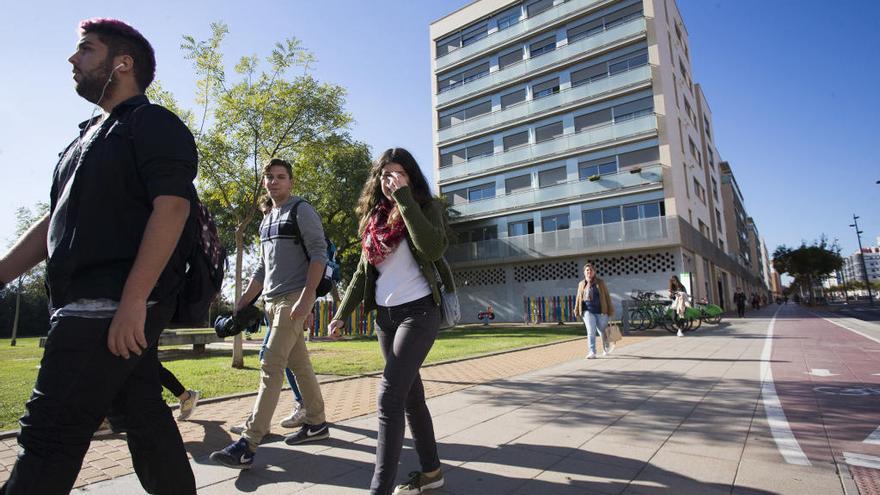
566	144
491	121
527	26
561	54
632	234
555	194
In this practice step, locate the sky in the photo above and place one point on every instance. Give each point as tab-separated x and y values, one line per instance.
792	85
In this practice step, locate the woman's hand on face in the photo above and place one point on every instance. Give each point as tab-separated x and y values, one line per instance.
393	181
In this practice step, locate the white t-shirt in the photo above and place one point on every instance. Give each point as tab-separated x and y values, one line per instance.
400	279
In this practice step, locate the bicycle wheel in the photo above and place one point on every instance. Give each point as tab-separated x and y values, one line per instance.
634	315
695	324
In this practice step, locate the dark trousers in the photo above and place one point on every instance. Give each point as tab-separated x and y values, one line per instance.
740	309
406	334
78	383
169	381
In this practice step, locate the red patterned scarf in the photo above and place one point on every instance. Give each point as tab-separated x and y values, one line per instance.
381	237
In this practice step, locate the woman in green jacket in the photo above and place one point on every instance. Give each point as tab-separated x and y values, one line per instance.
403	232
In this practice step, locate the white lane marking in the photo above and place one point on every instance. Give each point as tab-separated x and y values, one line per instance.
785	441
863	460
874	438
820	372
841	325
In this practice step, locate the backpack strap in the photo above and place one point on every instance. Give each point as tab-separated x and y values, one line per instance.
296	232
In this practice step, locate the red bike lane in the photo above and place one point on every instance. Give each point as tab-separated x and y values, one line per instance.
827	379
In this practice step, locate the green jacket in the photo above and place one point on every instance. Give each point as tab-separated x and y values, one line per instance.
426	236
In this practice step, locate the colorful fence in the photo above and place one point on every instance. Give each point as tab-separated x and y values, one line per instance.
549	309
356	324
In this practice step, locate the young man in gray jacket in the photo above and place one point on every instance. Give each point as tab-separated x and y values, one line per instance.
288	280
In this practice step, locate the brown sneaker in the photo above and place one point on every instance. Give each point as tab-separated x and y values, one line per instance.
419	482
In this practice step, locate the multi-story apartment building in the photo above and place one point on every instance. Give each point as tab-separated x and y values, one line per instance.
568	131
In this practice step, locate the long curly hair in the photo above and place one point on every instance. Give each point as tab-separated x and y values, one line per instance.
371	194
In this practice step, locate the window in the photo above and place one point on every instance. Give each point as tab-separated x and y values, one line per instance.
552	223
711	158
479	150
483	191
524	227
545	88
536	8
548	132
633	109
447	82
718	219
464	154
589	74
546	45
510	58
592	217
623	15
508	18
708	131
509	99
448	44
627	63
611	214
465	114
517	184
479	234
699	190
457	197
714	188
551	177
630	212
602	166
516	140
474	33
639	158
585	30
693	147
592	119
689	111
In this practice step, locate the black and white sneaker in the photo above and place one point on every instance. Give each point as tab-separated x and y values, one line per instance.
308	433
419	483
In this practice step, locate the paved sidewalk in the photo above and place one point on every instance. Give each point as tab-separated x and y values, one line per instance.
208	429
663	415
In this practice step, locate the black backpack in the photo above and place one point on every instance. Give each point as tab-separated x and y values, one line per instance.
205	263
205	268
332	273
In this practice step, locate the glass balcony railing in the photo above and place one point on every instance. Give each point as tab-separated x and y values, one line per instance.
651	174
560	54
632	234
564	144
632	77
525	26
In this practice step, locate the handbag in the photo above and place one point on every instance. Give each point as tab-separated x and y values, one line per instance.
450	308
612	333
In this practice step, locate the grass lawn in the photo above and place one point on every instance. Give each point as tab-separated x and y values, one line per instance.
211	374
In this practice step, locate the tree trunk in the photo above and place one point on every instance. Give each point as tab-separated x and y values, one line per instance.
237	350
17	311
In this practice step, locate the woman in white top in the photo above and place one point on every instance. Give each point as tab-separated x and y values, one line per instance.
403	232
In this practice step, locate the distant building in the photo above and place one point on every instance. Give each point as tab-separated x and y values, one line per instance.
572	131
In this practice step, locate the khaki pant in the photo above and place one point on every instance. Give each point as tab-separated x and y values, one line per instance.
286	348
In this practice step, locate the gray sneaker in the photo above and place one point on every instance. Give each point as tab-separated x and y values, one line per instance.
308	433
419	482
296	419
188	405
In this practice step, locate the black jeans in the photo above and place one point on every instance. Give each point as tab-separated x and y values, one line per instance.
169	381
406	334
78	383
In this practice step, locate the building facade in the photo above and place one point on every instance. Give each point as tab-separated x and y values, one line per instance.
572	131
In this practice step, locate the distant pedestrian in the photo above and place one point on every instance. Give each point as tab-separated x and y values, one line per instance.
486	316
678	294
594	303
739	298
404	237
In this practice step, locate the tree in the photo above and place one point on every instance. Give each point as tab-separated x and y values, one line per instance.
29	286
243	124
808	264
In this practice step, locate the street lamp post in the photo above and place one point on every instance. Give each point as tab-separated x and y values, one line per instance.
859	233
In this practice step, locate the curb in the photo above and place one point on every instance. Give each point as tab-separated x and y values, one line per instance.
14	433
